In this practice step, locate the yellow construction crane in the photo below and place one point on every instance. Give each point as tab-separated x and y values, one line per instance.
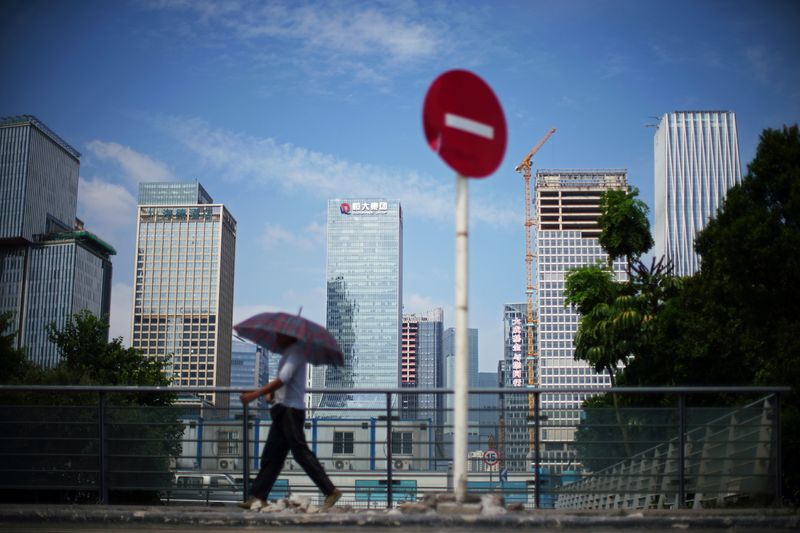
525	168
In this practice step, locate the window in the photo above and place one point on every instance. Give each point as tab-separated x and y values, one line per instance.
401	442
228	442
343	442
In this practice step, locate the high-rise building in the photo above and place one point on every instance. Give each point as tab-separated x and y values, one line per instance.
567	208
422	366
449	344
488	411
249	369
513	440
50	266
696	162
183	295
364	301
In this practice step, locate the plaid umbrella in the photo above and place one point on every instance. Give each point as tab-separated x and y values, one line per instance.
318	345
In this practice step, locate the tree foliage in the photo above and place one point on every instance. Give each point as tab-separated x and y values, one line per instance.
736	321
625	228
142	431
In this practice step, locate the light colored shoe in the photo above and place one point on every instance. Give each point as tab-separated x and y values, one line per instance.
332	498
252	504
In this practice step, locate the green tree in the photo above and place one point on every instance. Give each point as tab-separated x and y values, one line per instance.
142	430
625	229
745	300
13	364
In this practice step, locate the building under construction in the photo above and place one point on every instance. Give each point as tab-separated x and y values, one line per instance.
567	206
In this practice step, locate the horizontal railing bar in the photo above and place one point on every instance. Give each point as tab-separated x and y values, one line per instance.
531	390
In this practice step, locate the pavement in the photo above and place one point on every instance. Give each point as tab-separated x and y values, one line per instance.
14	517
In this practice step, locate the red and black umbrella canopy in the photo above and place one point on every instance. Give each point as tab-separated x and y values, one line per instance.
315	342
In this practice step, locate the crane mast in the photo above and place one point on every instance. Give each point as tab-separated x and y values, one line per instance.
525	168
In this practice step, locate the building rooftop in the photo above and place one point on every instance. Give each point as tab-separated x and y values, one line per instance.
82	235
22	120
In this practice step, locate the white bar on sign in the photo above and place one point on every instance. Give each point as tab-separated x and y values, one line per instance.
470	126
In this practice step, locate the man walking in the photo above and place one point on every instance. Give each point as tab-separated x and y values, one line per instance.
286	393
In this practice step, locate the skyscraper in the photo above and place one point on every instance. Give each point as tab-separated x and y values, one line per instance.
696	162
567	207
249	369
50	266
422	366
514	438
183	296
449	344
364	301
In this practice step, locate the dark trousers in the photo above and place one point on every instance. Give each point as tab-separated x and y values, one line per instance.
286	433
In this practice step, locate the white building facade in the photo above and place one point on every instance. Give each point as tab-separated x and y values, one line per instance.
696	162
567	204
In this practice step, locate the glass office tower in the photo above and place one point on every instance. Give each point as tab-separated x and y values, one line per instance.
50	266
39	180
364	300
183	296
567	206
249	369
696	157
449	345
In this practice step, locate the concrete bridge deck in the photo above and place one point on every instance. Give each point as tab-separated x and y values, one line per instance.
14	517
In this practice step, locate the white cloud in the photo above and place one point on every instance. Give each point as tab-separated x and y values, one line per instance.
136	166
104	206
417	303
120	315
326	30
272	164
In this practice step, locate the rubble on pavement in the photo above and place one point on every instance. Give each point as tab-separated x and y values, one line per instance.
431	503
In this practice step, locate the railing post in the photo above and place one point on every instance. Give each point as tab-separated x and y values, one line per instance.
388	450
776	421
537	458
681	450
245	451
102	416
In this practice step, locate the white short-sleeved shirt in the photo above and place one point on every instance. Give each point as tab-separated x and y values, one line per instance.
292	372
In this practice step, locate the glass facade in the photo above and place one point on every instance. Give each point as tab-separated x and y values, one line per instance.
47	271
175	193
364	299
39	180
249	368
567	207
696	156
183	293
64	277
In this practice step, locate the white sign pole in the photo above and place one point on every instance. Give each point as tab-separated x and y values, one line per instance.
461	393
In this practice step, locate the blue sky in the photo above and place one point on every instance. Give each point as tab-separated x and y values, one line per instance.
277	106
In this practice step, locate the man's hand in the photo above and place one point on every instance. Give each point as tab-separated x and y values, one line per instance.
270	397
247	397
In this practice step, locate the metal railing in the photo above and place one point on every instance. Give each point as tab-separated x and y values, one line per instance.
103	444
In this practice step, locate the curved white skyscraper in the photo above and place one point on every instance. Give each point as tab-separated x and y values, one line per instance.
696	162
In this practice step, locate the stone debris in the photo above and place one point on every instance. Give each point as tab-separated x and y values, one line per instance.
414	508
430	503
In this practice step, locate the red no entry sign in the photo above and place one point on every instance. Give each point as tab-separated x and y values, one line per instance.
464	123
